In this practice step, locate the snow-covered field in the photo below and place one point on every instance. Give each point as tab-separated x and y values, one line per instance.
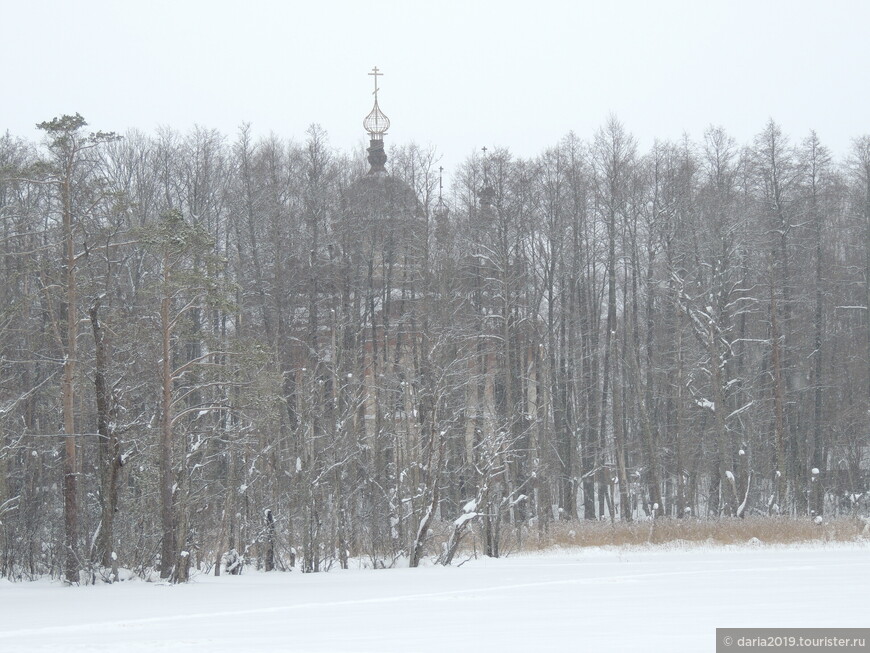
662	599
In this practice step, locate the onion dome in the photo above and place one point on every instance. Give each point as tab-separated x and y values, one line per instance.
376	124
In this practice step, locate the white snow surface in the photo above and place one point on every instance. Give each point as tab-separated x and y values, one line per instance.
569	600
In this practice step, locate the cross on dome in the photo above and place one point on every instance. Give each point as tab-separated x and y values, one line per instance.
376	123
375	73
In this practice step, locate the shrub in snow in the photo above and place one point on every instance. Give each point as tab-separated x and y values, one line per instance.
232	562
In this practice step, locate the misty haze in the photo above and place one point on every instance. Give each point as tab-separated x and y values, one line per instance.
266	389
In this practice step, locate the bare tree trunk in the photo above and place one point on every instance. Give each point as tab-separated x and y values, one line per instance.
625	507
649	446
70	463
779	410
110	455
269	556
817	497
167	517
727	498
611	367
678	439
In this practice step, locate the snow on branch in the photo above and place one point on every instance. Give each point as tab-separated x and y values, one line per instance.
739	410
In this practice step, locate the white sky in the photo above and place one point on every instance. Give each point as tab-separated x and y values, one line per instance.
458	75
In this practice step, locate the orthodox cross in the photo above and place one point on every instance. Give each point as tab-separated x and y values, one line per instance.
376	74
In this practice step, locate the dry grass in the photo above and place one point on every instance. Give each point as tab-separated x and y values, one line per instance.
763	530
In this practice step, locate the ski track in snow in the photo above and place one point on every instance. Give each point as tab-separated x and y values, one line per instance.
200	630
393	599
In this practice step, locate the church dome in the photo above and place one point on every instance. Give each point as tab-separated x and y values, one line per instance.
376	123
385	215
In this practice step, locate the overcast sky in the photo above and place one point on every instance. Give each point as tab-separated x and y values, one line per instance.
457	75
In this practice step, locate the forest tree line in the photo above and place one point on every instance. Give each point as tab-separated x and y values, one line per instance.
213	344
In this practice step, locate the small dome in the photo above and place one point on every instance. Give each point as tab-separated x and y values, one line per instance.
376	123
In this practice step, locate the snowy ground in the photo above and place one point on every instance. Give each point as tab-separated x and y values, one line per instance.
578	600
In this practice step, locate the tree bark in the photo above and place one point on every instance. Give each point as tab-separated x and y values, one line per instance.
70	462
109	449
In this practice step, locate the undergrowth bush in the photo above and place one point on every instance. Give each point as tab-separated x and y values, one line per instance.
663	531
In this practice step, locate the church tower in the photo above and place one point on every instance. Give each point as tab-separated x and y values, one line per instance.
382	217
376	124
